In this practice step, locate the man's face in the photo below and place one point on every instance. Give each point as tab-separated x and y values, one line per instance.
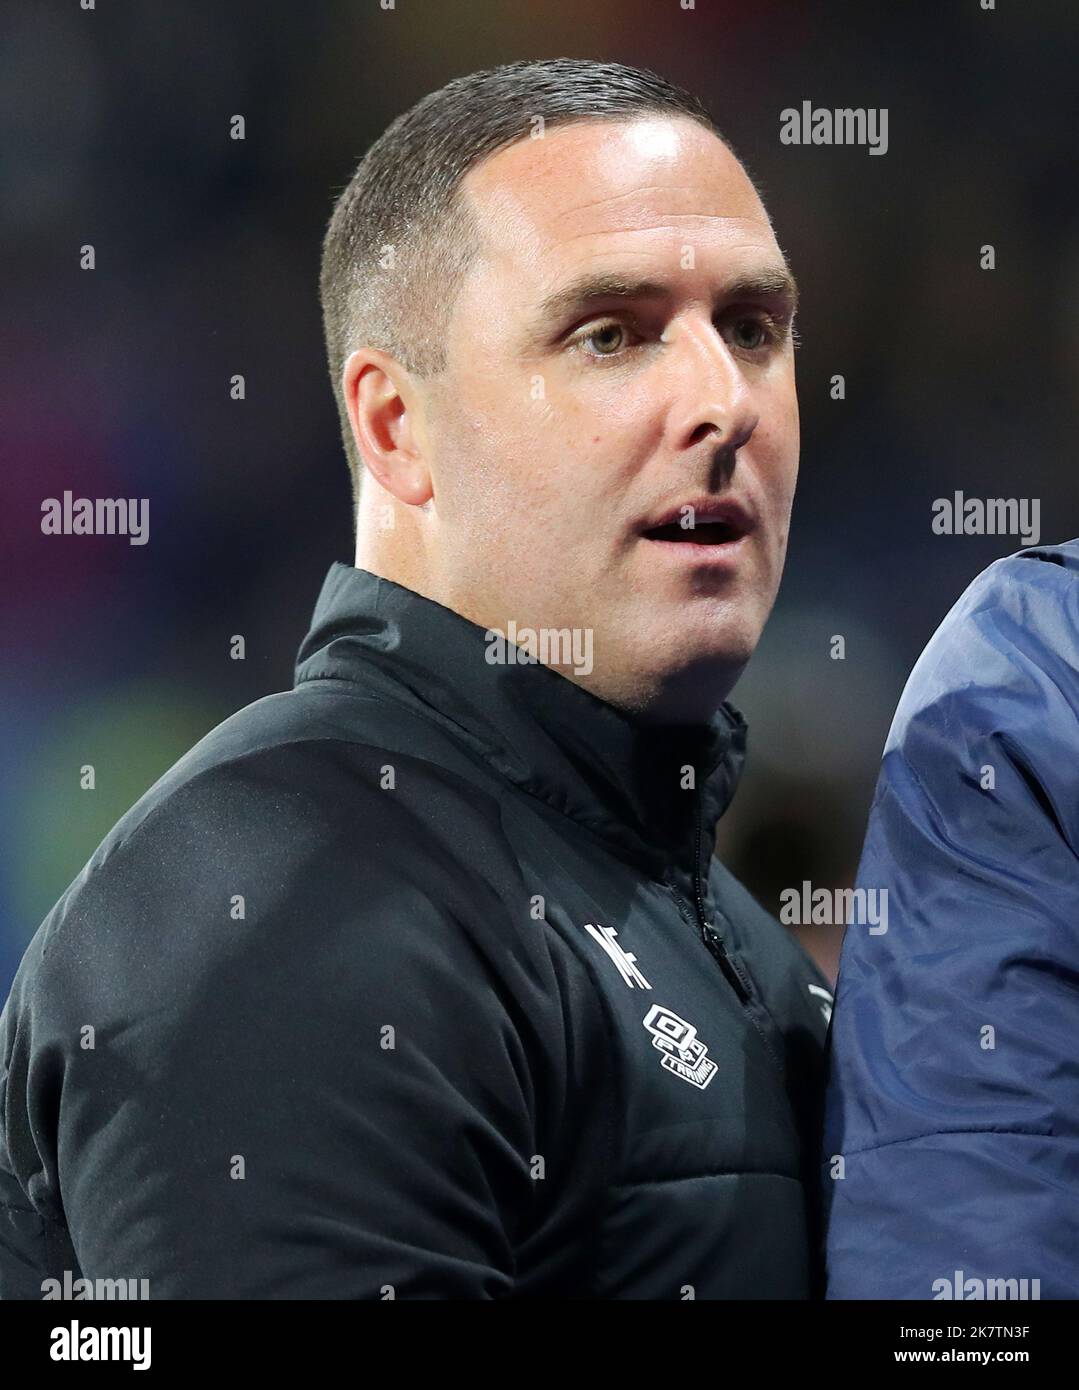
565	429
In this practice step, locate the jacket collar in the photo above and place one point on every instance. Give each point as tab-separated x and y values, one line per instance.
620	779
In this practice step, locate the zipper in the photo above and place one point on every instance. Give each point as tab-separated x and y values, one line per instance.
712	939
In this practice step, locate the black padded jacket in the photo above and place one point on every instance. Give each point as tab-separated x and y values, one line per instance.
418	980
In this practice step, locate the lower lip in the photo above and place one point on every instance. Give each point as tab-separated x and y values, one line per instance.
724	555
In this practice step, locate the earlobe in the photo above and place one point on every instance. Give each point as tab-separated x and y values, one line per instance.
382	425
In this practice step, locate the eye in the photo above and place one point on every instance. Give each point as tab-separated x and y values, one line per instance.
754	333
609	337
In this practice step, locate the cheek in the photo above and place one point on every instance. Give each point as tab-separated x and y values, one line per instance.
541	452
509	417
608	438
479	445
787	414
778	444
570	455
511	478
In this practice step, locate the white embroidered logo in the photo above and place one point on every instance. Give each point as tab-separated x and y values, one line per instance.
627	964
827	1000
683	1052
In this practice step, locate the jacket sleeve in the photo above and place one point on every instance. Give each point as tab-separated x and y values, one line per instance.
951	1151
331	1096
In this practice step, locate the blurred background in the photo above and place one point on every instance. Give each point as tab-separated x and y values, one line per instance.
115	383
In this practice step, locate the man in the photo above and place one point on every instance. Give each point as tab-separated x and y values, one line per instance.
951	1158
420	980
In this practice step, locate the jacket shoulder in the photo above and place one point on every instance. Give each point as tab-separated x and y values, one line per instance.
994	699
289	910
1016	625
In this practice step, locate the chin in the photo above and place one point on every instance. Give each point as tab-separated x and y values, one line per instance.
706	649
690	692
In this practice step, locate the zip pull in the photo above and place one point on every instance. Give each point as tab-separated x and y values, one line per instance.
714	942
709	934
712	938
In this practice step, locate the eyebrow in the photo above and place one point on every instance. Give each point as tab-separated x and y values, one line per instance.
776	282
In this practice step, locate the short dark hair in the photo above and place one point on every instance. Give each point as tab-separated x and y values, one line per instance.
400	237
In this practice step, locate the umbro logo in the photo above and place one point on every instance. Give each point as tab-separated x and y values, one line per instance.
683	1052
624	962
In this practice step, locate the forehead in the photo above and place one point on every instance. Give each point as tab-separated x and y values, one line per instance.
593	187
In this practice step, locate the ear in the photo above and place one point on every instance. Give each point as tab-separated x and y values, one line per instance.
383	409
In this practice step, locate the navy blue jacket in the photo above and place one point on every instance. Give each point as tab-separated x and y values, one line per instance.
953	1102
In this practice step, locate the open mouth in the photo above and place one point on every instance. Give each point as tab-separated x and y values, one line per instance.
704	533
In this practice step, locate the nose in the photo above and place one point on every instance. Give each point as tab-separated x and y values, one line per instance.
714	398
